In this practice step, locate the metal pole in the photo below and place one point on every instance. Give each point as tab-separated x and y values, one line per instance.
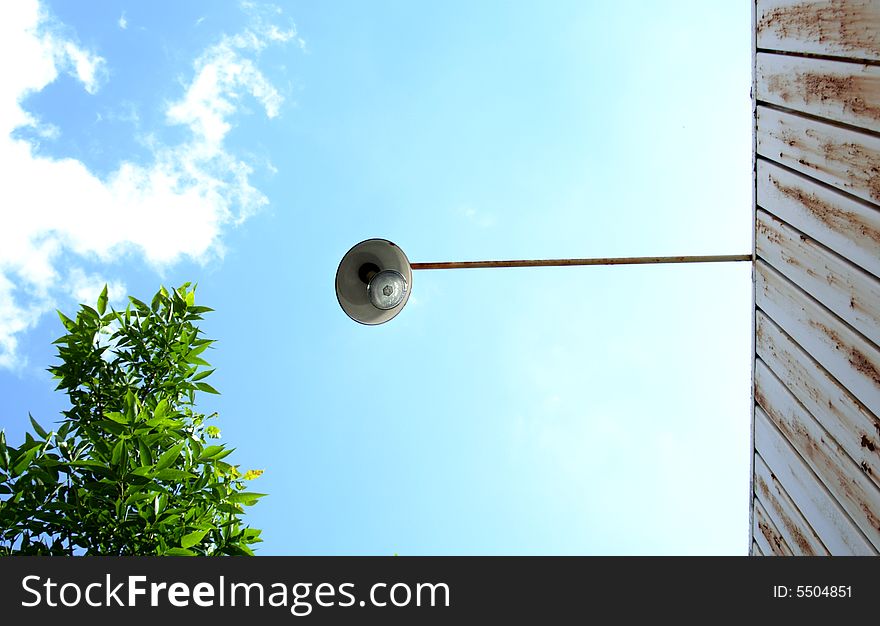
633	260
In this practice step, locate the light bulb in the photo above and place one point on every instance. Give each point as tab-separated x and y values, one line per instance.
387	289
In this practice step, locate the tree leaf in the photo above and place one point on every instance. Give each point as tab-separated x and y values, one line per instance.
102	300
116	456
141	306
161	409
200	346
110	427
116	417
88	311
157	421
202	374
169	457
191	539
4	452
87	463
206	388
146	455
179	552
247	498
173	474
39	429
24	460
211	452
138	497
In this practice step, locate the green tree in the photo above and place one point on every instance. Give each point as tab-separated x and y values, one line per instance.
131	469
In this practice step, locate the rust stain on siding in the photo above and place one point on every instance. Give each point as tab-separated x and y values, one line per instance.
850	25
873	520
861	363
771	234
793	529
838	220
859	166
867	454
800	437
857	159
856	156
854	93
850	91
772	538
760	400
843	158
790	139
855	357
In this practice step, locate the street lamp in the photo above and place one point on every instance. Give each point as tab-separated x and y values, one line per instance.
374	278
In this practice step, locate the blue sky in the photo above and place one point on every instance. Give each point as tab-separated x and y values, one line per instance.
247	146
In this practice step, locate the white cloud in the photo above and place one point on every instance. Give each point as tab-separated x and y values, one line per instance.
221	75
15	318
56	211
86	288
122	22
87	67
26	32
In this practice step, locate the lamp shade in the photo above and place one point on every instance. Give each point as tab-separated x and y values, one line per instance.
383	261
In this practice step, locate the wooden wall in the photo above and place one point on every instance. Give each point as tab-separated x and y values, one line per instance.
816	464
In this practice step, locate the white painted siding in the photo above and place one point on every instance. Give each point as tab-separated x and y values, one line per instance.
816	457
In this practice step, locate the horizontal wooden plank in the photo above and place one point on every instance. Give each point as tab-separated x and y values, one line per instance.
789	521
836	90
844	158
833	526
847	226
846	419
760	539
849	292
756	550
854	491
847	356
766	535
831	27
